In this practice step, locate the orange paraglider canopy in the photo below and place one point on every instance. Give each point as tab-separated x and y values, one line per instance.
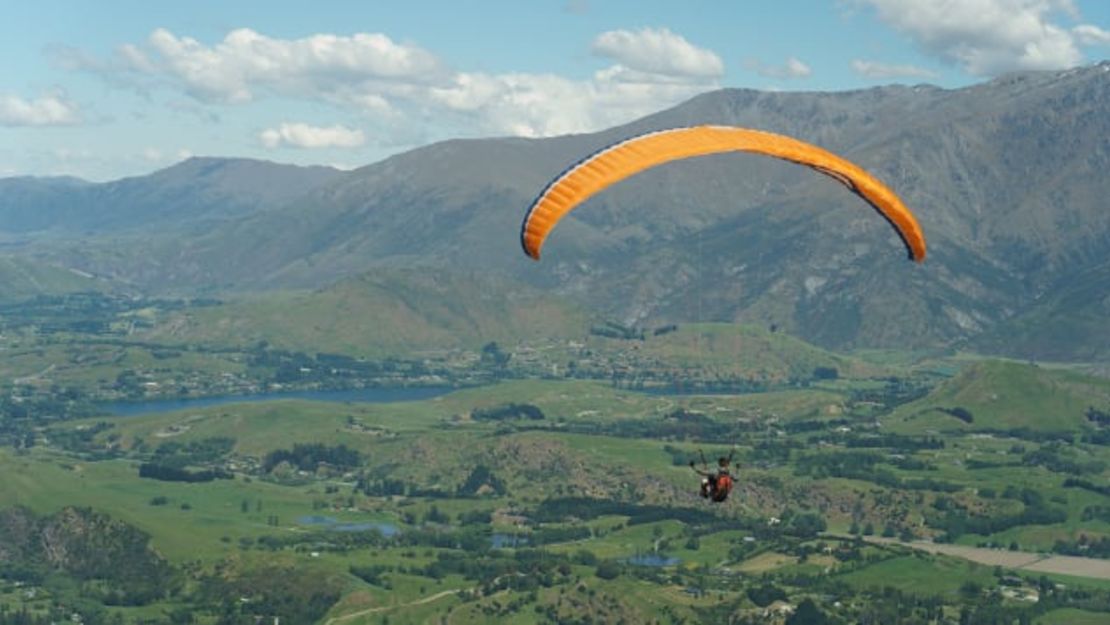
631	156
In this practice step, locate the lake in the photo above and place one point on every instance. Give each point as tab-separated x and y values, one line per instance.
363	395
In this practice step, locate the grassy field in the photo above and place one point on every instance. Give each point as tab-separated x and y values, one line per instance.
1072	616
920	575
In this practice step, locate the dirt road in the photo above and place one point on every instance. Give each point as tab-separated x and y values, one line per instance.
1021	560
383	608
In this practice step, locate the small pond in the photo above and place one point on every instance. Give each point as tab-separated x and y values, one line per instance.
328	523
507	541
653	559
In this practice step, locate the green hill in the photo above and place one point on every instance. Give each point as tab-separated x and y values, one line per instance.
21	278
1005	395
386	312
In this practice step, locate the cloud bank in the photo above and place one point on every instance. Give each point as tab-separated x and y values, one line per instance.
373	75
305	136
991	37
885	71
793	68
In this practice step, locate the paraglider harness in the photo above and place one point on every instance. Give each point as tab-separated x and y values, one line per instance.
715	486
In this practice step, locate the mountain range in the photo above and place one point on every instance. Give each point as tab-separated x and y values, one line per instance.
1008	179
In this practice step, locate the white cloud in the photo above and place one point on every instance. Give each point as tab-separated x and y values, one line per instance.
882	71
48	110
304	136
1091	35
537	105
246	62
406	91
990	37
658	51
793	68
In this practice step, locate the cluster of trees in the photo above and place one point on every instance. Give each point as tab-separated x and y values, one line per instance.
963	414
614	330
1074	482
955	520
79	440
493	355
479	477
329	370
895	392
309	456
389	487
896	442
166	473
506	412
275	593
80	313
1101	417
1084	546
21	409
202	451
697	429
1096	513
862	465
1054	457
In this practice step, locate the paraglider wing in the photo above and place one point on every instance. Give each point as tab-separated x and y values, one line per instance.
627	158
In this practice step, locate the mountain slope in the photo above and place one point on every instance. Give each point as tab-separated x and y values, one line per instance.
1007	178
1070	322
192	191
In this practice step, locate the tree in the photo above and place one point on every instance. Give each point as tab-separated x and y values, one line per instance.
608	569
807	614
766	594
492	354
808	525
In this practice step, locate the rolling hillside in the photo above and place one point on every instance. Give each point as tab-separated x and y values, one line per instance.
386	312
1005	395
21	278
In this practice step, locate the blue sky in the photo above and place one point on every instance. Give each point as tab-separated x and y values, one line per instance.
107	90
